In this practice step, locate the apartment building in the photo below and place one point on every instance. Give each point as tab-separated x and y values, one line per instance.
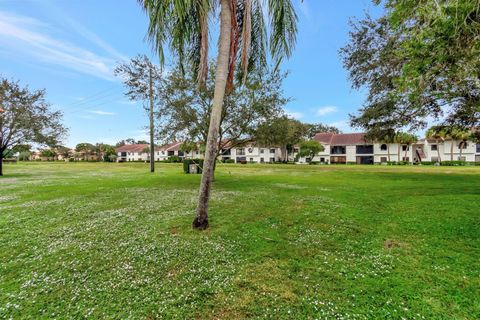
354	148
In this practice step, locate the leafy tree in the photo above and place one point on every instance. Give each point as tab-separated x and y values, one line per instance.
120	143
26	118
86	149
143	81
314	128
310	149
49	154
184	112
24	156
65	152
106	152
282	131
419	60
188	146
185	26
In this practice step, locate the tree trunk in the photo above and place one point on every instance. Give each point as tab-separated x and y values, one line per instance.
438	152
152	143
451	150
461	150
201	220
388	152
1	162
398	151
406	150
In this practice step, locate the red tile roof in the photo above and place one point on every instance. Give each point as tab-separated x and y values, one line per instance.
132	148
341	139
174	146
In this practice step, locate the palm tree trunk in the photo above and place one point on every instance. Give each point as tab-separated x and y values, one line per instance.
201	220
1	162
461	150
152	142
438	152
451	150
398	153
406	150
388	152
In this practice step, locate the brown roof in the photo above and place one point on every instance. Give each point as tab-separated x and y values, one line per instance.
341	139
174	146
132	148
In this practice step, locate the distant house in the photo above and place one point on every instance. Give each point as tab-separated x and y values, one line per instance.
170	150
132	152
354	148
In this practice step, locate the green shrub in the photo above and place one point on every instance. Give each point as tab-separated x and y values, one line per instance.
174	159
228	161
188	162
351	162
313	162
453	163
427	163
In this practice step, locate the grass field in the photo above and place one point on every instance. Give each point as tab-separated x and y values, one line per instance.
285	242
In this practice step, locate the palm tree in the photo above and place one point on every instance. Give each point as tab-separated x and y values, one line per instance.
184	26
403	138
461	135
438	133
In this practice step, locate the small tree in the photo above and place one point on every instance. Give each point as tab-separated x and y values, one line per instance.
25	117
188	146
49	154
86	149
310	149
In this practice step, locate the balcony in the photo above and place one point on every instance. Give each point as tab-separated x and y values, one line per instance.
338	150
366	149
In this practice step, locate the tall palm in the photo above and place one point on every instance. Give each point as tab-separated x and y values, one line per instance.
437	133
461	135
184	25
403	138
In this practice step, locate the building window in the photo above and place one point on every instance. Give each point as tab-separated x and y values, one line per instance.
272	150
338	150
322	160
478	147
251	159
405	148
262	151
434	147
272	160
383	159
367	149
240	152
383	147
262	160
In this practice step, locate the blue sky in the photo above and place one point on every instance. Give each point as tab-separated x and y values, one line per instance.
69	47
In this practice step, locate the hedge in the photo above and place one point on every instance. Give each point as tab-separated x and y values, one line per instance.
188	162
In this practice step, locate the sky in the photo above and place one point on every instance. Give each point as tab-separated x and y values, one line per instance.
70	47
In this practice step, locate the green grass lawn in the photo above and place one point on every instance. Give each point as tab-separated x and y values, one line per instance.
285	242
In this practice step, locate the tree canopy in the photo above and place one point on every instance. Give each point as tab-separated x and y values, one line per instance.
27	118
419	61
184	112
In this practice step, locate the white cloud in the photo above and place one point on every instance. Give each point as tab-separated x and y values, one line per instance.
322	111
101	113
343	125
29	36
295	114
